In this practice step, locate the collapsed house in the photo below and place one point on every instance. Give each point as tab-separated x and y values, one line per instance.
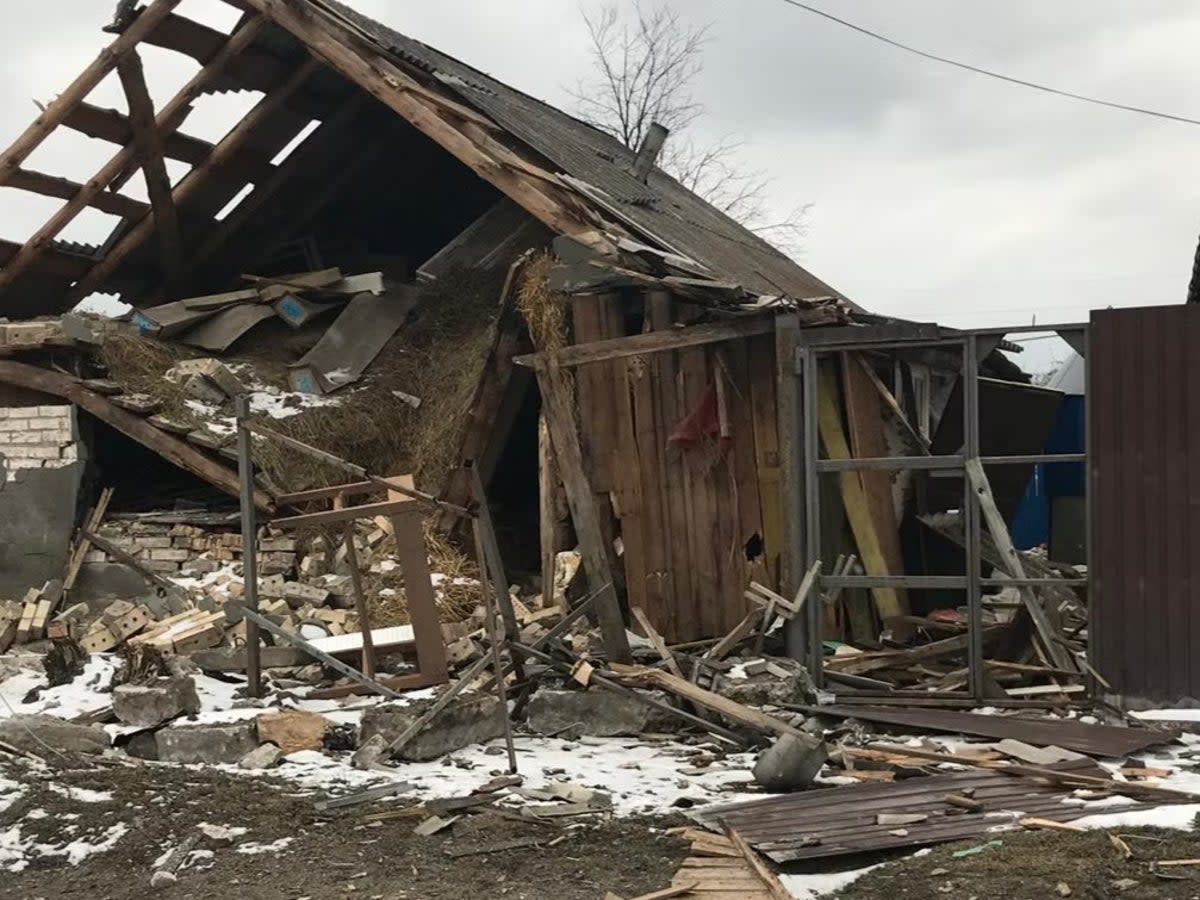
528	336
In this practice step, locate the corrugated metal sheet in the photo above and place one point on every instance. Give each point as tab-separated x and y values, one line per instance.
663	207
1070	734
842	821
1144	399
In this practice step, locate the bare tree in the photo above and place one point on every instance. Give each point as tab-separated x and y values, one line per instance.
644	69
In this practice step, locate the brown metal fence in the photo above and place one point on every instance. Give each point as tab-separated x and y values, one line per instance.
1144	416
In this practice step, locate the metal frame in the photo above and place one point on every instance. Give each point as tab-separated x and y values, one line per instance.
812	345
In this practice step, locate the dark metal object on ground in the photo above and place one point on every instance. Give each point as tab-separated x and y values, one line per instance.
842	821
1096	740
249	542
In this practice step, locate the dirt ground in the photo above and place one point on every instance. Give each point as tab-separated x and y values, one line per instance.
330	856
1043	864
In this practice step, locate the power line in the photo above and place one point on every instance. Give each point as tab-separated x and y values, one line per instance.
977	70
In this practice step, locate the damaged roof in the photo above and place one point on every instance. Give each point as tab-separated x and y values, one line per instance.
319	61
663	208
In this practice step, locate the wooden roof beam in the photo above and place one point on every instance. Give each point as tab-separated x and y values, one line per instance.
115	127
65	189
222	155
150	150
263	193
458	133
168	120
168	447
57	110
256	69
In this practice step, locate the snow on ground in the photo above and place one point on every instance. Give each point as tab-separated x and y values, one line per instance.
86	694
641	777
822	884
18	851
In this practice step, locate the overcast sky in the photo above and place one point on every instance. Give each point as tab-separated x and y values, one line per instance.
936	193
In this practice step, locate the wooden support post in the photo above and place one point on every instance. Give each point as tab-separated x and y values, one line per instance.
54	113
1013	565
91	523
169	448
559	405
360	600
491	564
494	636
150	150
168	121
833	437
197	179
553	513
418	592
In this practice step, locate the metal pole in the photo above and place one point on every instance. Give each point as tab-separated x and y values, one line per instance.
249	542
971	515
494	630
1095	626
812	500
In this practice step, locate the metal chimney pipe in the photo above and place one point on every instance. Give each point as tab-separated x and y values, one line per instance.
647	155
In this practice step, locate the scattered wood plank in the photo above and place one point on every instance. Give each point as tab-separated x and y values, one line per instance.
739	633
774	886
655	638
730	709
833	437
1034	823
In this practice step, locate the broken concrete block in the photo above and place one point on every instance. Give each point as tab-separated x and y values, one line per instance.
207	744
371	754
200	388
264	756
593	712
791	763
785	681
297	594
212	369
150	705
468	720
293	730
32	734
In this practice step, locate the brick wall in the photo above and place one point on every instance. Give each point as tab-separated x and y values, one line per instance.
38	437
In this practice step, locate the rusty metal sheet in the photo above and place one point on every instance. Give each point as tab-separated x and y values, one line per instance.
1095	740
1143	387
841	821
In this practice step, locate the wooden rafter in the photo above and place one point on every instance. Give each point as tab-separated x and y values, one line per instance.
115	127
254	69
55	112
150	150
65	189
168	120
263	193
170	448
222	155
534	189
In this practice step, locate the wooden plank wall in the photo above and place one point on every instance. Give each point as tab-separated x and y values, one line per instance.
684	516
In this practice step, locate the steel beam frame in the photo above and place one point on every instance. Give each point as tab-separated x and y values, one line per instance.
817	343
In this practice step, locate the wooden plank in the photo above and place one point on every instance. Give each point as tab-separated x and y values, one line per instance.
217	160
730	709
703	466
110	125
553	514
887	602
418	588
65	189
153	163
739	633
656	341
92	522
864	419
646	490
56	111
1011	559
728	546
743	455
892	404
775	888
168	120
628	500
347	514
765	412
594	393
168	447
660	646
558	404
